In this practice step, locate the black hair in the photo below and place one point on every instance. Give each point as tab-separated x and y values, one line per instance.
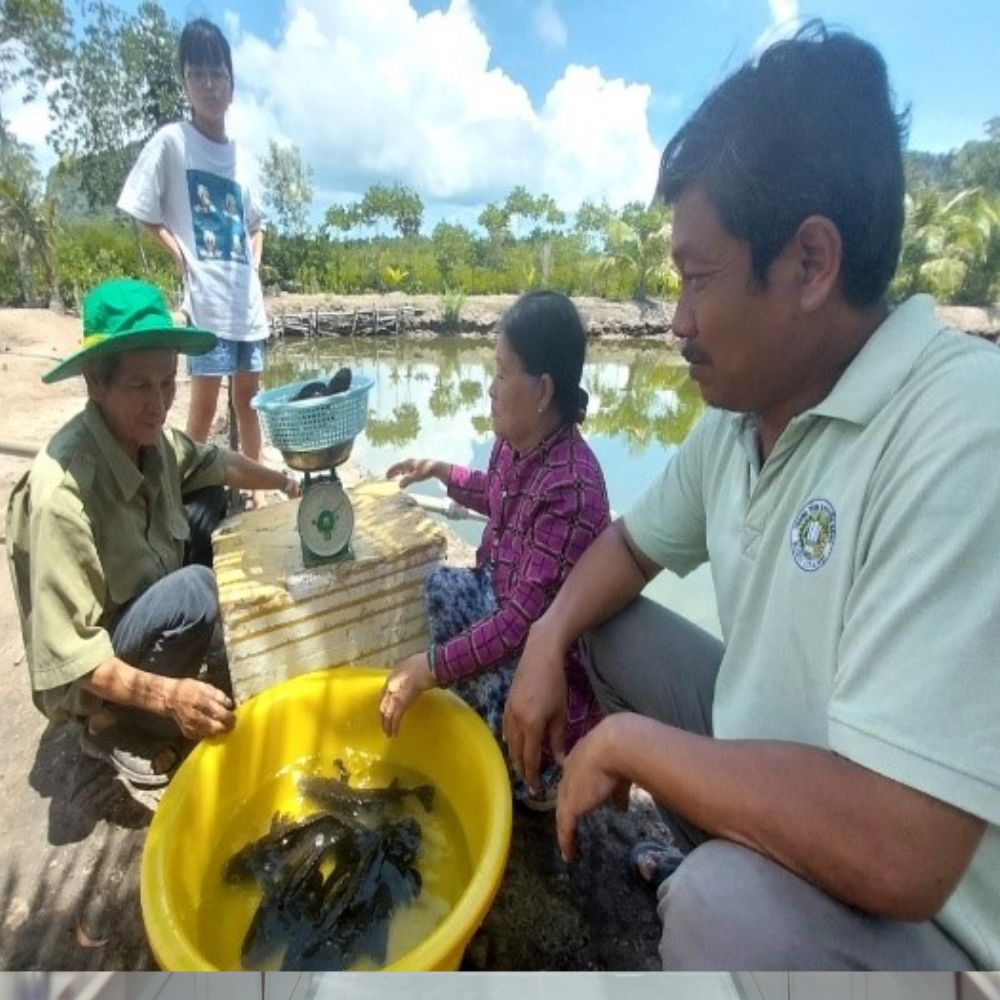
546	333
104	367
204	45
808	129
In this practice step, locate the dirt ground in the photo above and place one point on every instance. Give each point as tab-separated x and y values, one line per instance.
72	835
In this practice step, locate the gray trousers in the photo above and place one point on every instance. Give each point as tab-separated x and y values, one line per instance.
728	907
169	629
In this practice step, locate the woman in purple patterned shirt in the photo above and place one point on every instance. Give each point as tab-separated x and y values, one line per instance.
545	499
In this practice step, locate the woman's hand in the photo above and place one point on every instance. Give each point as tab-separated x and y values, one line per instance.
408	680
199	709
416	470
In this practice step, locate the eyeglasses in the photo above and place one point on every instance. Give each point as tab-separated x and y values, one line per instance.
204	77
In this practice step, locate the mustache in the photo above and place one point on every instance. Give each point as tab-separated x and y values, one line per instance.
693	354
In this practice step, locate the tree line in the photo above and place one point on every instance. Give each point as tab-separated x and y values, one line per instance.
111	81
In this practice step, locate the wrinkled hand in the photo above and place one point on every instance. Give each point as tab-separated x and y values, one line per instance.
408	680
587	782
199	709
413	470
536	707
292	488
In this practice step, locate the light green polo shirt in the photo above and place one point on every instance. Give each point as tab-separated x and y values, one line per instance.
857	578
87	531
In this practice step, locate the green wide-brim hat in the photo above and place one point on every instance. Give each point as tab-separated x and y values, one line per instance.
127	315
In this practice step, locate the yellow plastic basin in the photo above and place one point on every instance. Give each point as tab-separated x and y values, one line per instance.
319	716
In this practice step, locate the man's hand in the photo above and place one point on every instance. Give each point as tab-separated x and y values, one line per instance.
408	680
588	779
199	709
291	487
536	705
416	470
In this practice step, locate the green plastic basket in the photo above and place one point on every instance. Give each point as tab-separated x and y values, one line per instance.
313	424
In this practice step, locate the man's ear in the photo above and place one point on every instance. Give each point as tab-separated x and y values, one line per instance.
92	382
819	253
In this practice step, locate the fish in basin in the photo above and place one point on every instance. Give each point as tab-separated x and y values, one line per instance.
357	908
265	860
341	798
296	893
331	882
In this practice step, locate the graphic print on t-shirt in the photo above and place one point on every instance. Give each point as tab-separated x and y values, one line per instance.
217	216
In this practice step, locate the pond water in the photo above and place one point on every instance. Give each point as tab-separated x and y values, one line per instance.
430	399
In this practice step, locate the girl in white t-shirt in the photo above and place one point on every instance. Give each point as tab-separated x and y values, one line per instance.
195	191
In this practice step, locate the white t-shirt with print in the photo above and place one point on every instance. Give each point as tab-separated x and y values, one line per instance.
203	192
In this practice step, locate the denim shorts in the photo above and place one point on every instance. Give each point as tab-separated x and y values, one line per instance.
228	357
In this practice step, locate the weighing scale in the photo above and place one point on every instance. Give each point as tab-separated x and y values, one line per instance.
326	517
315	435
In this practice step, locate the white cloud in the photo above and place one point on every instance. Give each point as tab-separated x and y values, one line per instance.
785	21
231	25
29	122
373	92
596	140
784	10
549	25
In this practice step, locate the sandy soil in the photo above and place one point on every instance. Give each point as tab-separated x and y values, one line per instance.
72	836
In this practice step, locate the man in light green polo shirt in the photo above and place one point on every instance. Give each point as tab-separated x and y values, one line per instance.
831	770
117	621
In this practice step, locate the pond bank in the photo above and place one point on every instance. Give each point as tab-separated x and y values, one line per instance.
479	314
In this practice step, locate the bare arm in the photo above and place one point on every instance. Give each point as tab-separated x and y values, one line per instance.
257	248
244	473
199	709
861	837
168	239
416	470
609	575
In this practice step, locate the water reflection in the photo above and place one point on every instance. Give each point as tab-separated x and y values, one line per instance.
430	398
640	397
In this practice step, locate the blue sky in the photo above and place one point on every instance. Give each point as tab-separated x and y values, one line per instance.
463	99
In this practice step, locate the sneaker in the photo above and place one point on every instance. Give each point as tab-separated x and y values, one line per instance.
142	760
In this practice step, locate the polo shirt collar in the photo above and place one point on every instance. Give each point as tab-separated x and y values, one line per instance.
882	365
126	474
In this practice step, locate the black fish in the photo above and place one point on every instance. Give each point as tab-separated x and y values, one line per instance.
287	906
311	390
356	911
338	796
307	921
340	382
265	860
295	894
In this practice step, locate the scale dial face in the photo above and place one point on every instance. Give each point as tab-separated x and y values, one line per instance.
326	518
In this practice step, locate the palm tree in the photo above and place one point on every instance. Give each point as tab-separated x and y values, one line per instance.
950	249
638	244
28	223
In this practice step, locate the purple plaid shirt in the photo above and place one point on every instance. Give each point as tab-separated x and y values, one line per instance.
544	509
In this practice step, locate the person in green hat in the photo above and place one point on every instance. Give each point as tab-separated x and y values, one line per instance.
117	617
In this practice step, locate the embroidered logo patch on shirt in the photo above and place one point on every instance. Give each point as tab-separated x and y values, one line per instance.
814	531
